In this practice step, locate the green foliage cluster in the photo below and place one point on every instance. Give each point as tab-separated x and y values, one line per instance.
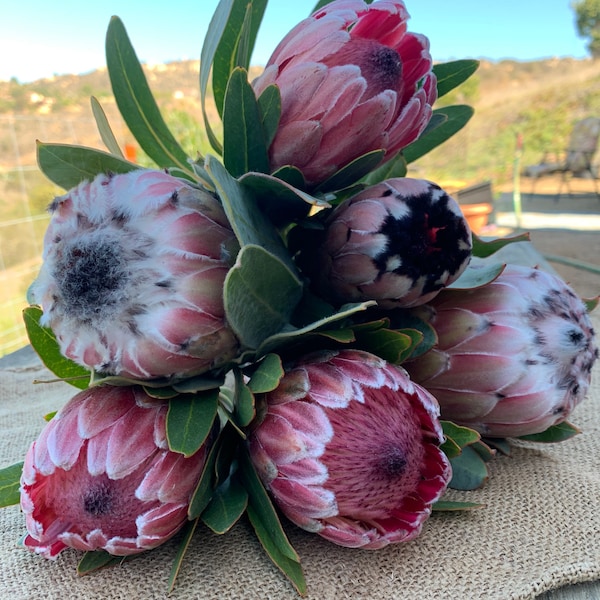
587	20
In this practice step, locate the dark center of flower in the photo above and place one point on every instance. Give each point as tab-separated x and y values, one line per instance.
380	65
90	275
97	501
429	240
391	463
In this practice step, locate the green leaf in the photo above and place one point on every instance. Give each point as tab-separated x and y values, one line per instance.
237	29
485	248
457	116
352	172
396	167
502	445
462	436
250	225
136	103
477	275
389	344
44	343
269	104
226	506
591	303
244	145
451	74
188	531
267	376
10	478
98	559
245	409
259	294
283	338
267	526
556	433
206	484
108	137
469	470
455	506
67	165
189	420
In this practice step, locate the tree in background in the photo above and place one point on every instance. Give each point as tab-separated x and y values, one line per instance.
587	20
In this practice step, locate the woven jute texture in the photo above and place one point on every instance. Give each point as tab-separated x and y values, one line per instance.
540	530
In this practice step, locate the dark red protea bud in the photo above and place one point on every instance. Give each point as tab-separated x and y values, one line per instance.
398	242
352	80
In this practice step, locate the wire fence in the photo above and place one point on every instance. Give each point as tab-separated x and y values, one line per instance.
24	195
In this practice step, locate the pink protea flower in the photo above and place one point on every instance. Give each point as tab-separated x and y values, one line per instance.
133	272
398	242
349	449
513	358
352	80
101	476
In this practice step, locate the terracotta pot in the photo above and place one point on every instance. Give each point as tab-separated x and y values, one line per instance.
477	215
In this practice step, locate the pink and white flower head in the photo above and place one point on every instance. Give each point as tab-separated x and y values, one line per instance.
133	272
352	80
101	476
349	449
513	358
398	242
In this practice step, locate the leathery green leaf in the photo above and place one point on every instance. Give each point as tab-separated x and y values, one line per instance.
44	343
469	470
260	294
267	526
451	74
10	478
67	165
189	420
136	102
106	133
556	433
98	559
244	145
267	376
188	533
226	506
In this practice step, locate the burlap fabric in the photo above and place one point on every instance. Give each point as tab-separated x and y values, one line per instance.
540	530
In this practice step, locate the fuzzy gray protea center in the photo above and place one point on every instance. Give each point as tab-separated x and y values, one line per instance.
91	276
97	501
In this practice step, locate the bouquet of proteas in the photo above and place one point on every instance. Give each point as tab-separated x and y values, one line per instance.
282	330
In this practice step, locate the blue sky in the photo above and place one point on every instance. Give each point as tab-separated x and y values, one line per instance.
42	38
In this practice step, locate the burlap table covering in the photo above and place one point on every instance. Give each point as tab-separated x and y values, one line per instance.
539	531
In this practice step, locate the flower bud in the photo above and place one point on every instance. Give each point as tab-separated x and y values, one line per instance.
352	80
398	242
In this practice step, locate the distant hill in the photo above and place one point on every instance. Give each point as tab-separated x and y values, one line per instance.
539	100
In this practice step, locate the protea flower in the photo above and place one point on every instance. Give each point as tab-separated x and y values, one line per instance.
101	476
352	80
133	273
514	357
398	242
348	448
